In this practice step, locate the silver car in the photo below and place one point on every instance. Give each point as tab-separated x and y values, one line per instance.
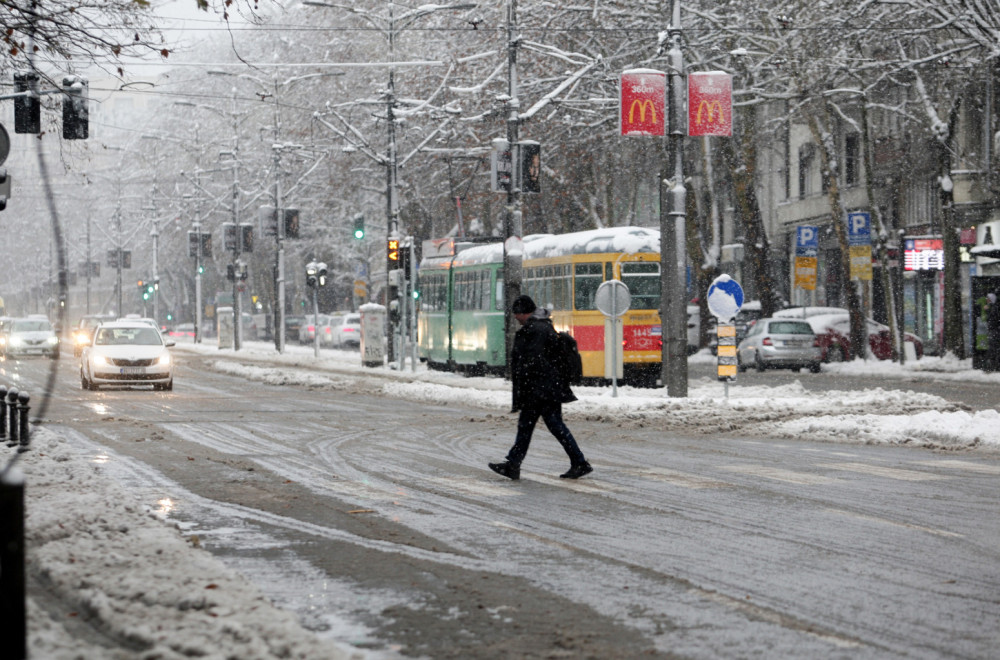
780	343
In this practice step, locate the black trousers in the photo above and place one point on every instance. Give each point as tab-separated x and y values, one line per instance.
551	414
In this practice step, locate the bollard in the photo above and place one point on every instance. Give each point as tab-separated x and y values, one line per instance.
13	618
3	414
23	408
13	438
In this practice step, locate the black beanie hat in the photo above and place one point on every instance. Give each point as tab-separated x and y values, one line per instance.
523	305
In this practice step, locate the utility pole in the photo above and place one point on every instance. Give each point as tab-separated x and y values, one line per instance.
673	238
392	204
512	224
118	228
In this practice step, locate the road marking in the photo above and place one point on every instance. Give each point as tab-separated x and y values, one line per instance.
778	474
675	478
963	465
894	523
887	472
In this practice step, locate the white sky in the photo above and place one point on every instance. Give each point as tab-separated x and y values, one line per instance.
133	571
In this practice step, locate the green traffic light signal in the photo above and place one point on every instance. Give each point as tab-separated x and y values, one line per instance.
359	234
359	227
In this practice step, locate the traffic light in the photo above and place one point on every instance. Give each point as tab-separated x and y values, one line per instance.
27	109
291	223
392	252
321	274
312	274
229	243
76	116
149	291
246	237
142	290
359	227
231	272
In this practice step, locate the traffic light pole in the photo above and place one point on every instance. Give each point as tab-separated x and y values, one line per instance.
513	223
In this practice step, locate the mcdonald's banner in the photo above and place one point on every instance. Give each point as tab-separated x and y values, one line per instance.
710	104
643	102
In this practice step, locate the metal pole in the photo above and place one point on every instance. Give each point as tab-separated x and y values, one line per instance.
118	226
197	275
89	261
156	272
513	227
316	320
13	619
237	298
392	210
280	234
673	247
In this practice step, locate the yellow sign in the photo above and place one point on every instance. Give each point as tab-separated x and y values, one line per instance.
861	262
805	273
726	351
727	371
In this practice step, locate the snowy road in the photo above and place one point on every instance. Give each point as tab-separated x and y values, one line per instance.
375	521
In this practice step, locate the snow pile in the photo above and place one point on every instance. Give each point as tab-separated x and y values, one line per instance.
105	563
875	415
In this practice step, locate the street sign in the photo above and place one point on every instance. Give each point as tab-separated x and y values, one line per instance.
725	298
806	251
859	228
643	101
613	298
710	104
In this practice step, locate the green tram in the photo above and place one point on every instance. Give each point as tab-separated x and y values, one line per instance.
461	322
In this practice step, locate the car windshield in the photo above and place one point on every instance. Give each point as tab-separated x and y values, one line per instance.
31	326
352	320
136	336
790	328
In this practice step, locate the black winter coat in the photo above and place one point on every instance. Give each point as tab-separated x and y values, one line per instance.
535	377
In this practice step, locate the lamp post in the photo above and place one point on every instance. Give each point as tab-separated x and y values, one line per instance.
279	237
237	293
390	25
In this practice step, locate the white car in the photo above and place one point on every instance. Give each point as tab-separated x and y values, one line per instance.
346	331
127	353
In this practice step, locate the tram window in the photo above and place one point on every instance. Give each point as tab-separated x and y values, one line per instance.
563	286
585	282
643	281
484	290
499	298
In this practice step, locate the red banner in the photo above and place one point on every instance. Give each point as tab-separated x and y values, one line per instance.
643	102
710	104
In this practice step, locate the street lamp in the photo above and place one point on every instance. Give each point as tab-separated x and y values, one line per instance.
278	205
390	25
237	282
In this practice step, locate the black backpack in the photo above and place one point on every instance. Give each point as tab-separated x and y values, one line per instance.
568	361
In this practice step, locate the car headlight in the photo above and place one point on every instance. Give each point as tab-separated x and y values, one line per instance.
53	340
165	360
99	361
16	341
80	338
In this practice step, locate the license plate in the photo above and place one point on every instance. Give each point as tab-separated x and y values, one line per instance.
133	371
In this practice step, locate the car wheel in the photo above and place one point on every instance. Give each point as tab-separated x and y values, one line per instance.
814	367
169	387
84	383
796	369
759	363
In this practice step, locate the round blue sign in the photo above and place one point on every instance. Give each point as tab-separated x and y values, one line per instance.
725	298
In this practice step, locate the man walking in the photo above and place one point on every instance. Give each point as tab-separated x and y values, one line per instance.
539	390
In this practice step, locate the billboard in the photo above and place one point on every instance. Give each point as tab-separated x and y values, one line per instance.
643	103
710	104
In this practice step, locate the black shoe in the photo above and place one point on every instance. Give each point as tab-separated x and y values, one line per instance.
577	471
507	469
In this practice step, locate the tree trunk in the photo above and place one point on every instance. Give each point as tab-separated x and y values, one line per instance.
742	168
837	217
953	341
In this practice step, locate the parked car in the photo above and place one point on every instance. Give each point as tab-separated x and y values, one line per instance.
778	343
293	324
834	332
833	327
83	333
346	332
29	336
127	353
307	333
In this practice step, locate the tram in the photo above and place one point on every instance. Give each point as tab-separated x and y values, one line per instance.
461	283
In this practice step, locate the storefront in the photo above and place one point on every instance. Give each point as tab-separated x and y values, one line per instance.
923	290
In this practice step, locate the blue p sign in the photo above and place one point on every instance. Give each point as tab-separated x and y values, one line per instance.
806	240
859	228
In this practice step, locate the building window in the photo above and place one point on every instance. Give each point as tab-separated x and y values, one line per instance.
807	154
852	160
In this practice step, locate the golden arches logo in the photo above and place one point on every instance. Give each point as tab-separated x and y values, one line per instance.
710	108
643	104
